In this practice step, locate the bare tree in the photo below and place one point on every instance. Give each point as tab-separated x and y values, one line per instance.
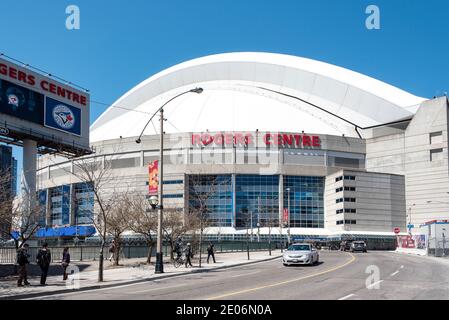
96	171
202	189
174	226
143	221
18	221
118	221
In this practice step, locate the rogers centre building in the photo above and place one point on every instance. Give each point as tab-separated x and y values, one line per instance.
334	150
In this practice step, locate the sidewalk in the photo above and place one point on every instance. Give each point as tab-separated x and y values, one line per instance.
418	252
130	271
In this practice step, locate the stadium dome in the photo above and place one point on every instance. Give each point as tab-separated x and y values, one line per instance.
251	91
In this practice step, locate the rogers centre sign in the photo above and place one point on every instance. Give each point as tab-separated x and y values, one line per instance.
41	85
299	140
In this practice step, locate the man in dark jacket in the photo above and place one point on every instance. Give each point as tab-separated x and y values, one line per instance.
43	260
188	252
210	252
22	261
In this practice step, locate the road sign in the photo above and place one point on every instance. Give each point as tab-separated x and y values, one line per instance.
397	230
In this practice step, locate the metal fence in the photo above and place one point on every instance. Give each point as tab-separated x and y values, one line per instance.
127	251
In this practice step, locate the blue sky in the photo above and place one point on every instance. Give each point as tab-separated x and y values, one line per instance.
122	43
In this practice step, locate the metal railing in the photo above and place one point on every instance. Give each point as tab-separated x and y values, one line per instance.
85	252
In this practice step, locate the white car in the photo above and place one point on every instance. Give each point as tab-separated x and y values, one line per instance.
300	253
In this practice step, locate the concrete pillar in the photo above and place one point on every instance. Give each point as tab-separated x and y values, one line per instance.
28	182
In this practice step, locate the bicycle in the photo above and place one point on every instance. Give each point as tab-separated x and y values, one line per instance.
179	260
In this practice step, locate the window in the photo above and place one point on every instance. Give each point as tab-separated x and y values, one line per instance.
338	179
350	222
339	190
436	154
350	211
339	211
339	200
173	182
339	222
436	137
84	203
306	201
349	178
349	188
349	200
216	192
172	196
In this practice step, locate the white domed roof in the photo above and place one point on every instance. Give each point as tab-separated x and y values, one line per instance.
249	91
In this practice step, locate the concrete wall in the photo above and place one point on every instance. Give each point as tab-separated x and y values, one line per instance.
379	201
411	153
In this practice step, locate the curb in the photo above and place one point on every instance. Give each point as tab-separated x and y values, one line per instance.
125	282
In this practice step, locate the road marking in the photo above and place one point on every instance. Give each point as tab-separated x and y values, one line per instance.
394	273
245	274
153	289
374	284
133	284
347	297
284	282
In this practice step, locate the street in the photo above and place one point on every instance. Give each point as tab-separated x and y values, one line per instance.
339	276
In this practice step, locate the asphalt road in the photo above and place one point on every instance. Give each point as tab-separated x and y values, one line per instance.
339	276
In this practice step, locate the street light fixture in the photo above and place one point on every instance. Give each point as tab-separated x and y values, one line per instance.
154	201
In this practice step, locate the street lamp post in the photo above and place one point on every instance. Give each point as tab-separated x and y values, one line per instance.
410	218
288	206
444	242
154	201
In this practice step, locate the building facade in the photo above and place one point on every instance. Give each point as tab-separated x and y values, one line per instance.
277	141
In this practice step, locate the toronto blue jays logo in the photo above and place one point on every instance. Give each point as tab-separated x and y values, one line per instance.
13	100
63	116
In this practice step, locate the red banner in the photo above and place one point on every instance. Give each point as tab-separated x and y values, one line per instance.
153	182
286	215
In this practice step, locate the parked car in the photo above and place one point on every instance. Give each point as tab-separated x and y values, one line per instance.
358	246
300	253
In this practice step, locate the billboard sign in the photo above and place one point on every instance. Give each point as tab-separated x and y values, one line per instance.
37	107
21	102
61	116
153	182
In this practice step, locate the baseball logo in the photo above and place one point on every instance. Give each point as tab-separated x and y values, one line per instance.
63	116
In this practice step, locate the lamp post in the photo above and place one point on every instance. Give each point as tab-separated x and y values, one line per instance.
288	206
444	242
154	201
410	218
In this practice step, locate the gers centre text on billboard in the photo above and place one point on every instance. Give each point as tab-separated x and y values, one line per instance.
37	107
30	80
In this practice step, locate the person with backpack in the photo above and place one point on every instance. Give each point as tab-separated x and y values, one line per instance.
65	262
22	261
189	254
43	260
210	252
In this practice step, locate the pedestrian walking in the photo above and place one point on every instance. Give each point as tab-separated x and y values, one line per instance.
43	260
189	254
22	261
112	250
210	252
178	247
65	262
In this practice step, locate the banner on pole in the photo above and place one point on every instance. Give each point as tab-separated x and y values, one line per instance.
153	182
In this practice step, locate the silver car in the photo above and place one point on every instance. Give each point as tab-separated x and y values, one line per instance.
300	253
